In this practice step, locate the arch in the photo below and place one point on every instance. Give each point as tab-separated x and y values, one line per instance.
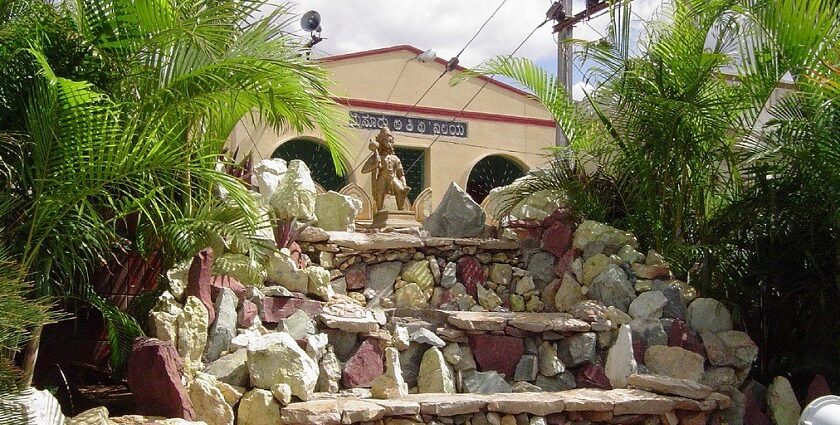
317	157
353	190
491	172
423	205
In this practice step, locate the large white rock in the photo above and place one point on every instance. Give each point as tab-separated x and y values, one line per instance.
258	407
224	328
456	216
209	403
294	197
275	358
620	361
336	212
390	384
282	270
318	283
435	374
192	334
267	174
163	318
536	206
709	315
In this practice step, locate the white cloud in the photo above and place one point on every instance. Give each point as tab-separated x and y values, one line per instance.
579	88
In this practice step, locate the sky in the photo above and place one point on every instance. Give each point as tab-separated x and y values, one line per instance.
446	26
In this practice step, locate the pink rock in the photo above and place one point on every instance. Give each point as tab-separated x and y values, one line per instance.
564	264
356	276
681	336
497	352
560	215
526	230
753	415
557	239
200	280
154	376
817	388
639	348
471	274
275	309
246	314
592	375
297	255
220	282
364	365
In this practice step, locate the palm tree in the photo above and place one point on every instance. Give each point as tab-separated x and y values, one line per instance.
671	148
127	161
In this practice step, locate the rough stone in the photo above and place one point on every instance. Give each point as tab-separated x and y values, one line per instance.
200	280
817	388
549	363
192	333
258	407
276	358
356	276
336	212
526	369
500	353
541	268
730	348
577	349
381	284
294	197
457	216
449	277
282	393
318	283
561	382
231	368
267	174
783	406
330	372
648	305
674	362
488	298
410	296
364	366
680	335
501	273
418	272
163	318
620	360
719	377
557	238
299	325
592	376
283	270
471	274
246	314
224	328
708	315
209	403
612	288
669	386
485	383
36	407
275	309
525	285
435	375
568	294
391	384
95	416
425	336
154	376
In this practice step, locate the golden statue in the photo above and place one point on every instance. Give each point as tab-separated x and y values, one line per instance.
387	169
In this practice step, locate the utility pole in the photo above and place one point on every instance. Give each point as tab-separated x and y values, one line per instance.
559	12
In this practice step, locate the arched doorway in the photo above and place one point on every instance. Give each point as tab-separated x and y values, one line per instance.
317	157
491	172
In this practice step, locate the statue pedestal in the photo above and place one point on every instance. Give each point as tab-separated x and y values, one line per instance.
394	219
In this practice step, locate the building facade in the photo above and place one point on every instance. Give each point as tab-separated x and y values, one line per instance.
451	135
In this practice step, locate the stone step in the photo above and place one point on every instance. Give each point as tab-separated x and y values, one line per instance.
328	409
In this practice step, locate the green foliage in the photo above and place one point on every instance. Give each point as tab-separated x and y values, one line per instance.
670	148
113	118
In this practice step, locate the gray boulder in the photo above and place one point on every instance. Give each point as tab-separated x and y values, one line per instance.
612	288
457	216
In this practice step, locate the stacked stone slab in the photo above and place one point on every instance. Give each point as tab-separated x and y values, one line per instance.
568	322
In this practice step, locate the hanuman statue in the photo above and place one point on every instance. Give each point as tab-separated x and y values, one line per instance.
387	169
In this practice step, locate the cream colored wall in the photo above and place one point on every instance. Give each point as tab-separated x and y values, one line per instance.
449	158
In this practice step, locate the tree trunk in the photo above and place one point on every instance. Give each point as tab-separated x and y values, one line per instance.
30	356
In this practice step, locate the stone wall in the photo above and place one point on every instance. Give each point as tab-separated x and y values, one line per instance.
379	316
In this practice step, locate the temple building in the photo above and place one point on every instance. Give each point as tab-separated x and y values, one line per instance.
451	135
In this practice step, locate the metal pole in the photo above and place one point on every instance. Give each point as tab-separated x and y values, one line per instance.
564	66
